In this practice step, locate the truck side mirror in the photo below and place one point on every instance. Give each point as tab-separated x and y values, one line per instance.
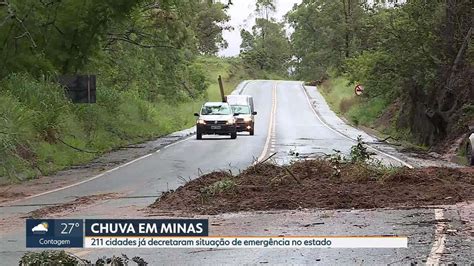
196	114
254	113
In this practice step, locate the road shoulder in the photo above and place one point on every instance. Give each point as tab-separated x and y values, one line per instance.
81	173
336	123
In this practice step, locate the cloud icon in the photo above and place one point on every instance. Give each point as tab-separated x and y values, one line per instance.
40	228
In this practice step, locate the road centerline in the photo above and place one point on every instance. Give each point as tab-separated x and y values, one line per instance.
271	125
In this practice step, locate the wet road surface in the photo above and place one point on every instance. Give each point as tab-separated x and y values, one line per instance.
285	123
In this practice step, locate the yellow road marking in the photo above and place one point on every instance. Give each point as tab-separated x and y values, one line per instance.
271	125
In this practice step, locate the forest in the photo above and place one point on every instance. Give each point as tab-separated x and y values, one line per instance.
415	60
156	62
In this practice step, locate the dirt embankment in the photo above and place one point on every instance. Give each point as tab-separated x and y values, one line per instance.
319	184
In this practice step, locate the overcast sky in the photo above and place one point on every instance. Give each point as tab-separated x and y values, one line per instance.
242	15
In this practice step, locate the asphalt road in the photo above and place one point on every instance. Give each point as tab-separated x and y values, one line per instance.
286	123
298	129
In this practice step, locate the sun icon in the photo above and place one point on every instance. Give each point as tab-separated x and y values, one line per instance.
45	224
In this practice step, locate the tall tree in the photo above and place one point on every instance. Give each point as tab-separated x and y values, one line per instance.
267	46
55	35
418	53
211	19
318	40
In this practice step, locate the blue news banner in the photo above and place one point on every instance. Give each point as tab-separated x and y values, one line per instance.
54	233
70	233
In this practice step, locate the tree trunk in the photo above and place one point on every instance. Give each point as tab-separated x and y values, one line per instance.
347	14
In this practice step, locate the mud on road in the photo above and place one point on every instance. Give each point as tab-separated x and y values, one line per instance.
69	207
316	184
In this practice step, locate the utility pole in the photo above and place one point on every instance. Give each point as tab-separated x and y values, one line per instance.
221	87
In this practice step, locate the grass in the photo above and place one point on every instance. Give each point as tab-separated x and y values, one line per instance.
336	91
38	125
213	67
366	112
360	111
340	96
218	187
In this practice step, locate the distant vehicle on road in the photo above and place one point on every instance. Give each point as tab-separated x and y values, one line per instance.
470	147
243	106
216	118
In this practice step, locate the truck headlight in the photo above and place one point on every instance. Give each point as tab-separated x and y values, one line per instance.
230	121
247	119
201	121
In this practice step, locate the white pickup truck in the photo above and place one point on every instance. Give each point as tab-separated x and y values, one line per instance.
242	105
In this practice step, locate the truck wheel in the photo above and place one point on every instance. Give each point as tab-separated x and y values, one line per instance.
198	135
233	135
252	132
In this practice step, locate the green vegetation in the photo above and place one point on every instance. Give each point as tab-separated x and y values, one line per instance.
61	257
339	94
414	59
154	65
359	152
230	69
366	112
48	258
266	48
222	186
42	132
64	37
336	91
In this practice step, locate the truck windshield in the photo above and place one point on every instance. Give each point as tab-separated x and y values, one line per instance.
216	110
241	109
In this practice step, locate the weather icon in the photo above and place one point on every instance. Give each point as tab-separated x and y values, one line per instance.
40	228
